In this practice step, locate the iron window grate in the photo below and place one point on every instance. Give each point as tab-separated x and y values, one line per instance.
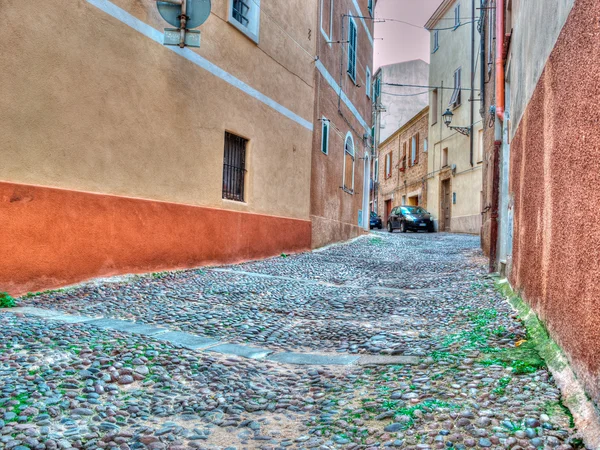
234	167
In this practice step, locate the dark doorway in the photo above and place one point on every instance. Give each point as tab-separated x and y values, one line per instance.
388	210
446	200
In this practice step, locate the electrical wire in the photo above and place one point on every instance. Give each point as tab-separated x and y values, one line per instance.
428	29
427	87
406	95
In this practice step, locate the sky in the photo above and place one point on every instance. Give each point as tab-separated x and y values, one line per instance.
402	42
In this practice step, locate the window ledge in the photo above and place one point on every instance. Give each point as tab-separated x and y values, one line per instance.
235	202
253	36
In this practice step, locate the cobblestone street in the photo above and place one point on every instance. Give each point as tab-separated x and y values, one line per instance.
394	340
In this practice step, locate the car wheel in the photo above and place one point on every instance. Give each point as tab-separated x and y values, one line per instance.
431	230
379	227
389	227
403	227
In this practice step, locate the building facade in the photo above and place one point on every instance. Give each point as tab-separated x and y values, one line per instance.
403	166
401	94
454	178
342	144
547	134
122	155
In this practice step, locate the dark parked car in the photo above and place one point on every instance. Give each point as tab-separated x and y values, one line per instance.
376	221
407	218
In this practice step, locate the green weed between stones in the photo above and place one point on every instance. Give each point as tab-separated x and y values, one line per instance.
425	406
554	408
6	301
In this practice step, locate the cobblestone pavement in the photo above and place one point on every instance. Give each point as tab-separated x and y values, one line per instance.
425	295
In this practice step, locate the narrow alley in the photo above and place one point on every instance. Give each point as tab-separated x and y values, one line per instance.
390	340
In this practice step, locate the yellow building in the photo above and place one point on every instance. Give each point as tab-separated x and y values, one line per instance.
454	179
120	154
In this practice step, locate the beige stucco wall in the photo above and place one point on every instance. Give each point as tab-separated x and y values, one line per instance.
88	103
454	52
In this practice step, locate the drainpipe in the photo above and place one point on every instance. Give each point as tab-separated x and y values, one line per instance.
498	142
495	206
472	97
499	59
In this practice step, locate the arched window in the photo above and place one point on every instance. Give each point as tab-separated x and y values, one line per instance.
349	163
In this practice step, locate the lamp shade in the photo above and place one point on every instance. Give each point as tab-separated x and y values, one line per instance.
447	116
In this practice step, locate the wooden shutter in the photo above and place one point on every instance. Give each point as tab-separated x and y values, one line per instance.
417	145
348	171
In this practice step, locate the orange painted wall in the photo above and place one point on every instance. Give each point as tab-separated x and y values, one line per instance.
52	237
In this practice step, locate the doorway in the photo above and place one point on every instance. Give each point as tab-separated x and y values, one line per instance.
388	210
445	206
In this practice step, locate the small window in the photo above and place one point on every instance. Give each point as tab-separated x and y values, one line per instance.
376	170
245	16
403	162
326	19
425	144
388	165
234	167
436	41
480	147
445	157
352	49
325	135
414	150
377	89
455	100
349	163
457	16
434	107
370	6
403	201
368	83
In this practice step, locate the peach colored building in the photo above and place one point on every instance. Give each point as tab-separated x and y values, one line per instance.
342	145
403	166
119	154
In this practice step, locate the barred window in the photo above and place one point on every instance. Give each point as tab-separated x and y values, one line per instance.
234	167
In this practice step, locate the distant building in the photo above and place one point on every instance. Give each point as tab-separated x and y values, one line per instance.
455	159
397	105
403	166
120	155
342	144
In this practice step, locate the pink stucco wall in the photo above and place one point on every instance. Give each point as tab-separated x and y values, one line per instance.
555	179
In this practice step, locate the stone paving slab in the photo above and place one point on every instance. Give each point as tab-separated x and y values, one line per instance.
186	340
241	350
49	314
379	360
313	359
128	327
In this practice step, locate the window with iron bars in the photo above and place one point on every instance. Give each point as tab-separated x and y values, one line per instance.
241	8
234	167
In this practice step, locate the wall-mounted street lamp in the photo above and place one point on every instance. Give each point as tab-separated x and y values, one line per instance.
447	116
